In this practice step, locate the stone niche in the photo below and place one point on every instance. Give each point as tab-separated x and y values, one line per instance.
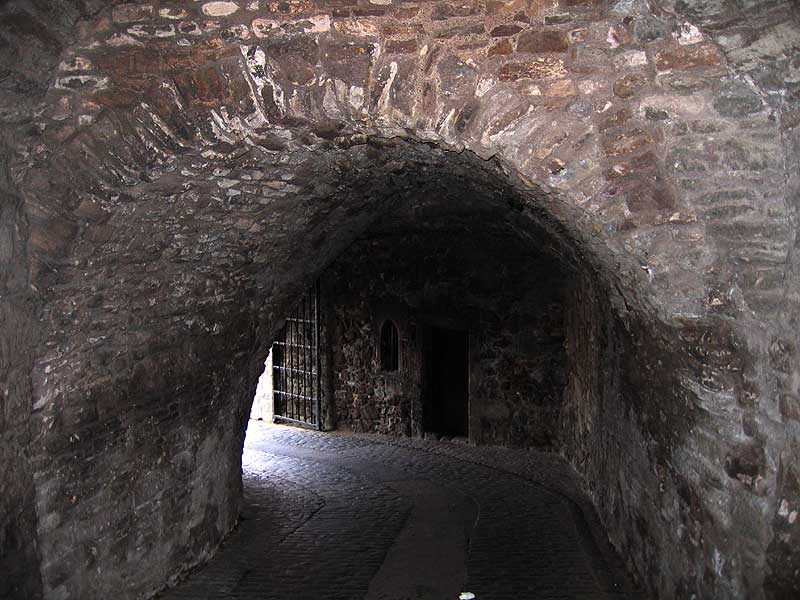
479	315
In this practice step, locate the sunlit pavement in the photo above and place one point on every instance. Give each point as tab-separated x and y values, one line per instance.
339	516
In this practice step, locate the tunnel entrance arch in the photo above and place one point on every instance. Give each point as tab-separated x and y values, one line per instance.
165	145
345	191
327	199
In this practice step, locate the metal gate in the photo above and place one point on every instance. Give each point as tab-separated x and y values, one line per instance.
296	365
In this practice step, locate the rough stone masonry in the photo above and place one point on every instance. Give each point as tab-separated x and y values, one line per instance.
174	174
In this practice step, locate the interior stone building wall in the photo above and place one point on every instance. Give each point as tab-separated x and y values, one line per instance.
621	414
19	556
504	295
176	173
365	397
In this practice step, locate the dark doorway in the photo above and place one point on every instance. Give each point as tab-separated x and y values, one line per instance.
390	347
446	399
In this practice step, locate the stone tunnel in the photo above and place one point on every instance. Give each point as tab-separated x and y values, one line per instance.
602	193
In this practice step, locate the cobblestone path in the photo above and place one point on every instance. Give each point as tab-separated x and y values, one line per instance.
338	516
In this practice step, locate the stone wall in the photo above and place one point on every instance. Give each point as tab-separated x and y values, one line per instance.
367	398
505	295
19	557
156	331
180	171
643	413
783	562
29	53
603	432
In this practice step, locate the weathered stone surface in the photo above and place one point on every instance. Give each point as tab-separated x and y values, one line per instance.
687	57
542	41
737	99
220	9
460	30
626	141
649	29
395	29
445	10
19	555
176	178
538	69
401	46
684	82
501	48
559	19
782	561
457	76
564	88
630	84
505	30
130	13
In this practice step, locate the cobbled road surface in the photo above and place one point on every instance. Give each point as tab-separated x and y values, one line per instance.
344	517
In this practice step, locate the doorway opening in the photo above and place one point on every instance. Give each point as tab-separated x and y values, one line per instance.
263	405
446	399
289	389
296	365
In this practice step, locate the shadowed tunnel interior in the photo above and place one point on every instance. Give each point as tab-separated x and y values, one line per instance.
596	201
478	290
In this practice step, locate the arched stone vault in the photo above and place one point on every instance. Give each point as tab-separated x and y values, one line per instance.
176	173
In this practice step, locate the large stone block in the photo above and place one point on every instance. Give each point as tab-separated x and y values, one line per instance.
538	69
541	41
686	57
131	13
737	99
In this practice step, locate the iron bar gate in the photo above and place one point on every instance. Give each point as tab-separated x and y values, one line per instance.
296	365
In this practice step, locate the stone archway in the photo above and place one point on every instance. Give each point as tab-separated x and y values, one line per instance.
186	171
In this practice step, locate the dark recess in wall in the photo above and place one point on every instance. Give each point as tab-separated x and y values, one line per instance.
445	405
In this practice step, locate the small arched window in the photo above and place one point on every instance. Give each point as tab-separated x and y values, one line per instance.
390	347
